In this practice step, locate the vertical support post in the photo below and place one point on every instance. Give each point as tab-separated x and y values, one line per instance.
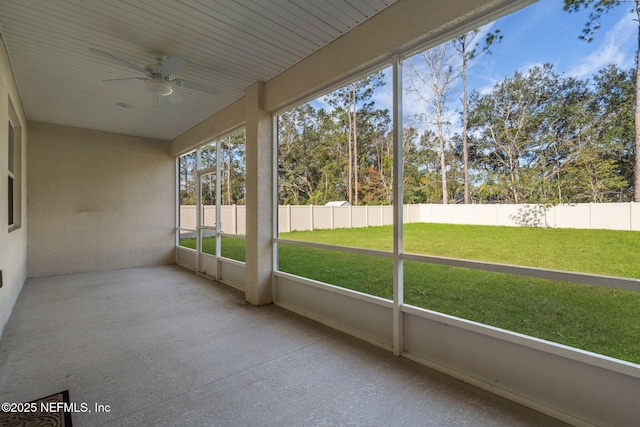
275	209
398	195
218	208
199	214
178	206
260	198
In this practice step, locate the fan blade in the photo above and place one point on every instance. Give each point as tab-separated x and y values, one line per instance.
197	86
141	79
118	60
174	98
173	64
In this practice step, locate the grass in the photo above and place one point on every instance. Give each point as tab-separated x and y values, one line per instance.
598	319
606	252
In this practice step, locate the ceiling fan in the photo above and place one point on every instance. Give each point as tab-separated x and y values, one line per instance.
160	77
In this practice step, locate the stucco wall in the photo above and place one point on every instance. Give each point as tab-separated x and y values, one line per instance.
13	244
98	201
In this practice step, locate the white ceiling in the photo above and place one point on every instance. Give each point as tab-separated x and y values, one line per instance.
228	44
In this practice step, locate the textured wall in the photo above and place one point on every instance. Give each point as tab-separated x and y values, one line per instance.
98	201
13	245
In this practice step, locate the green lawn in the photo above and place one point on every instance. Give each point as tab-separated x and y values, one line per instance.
607	252
597	319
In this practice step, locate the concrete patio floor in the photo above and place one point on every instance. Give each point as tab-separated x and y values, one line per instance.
162	346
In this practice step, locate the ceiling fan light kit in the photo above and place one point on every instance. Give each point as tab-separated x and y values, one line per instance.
158	87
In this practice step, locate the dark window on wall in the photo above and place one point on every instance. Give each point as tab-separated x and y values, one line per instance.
12	181
14	155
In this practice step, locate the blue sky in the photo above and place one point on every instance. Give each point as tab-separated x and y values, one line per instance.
544	33
540	33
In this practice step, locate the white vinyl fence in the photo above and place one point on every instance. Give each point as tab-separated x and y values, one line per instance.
612	216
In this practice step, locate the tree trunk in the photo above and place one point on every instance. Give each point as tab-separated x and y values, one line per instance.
443	162
465	146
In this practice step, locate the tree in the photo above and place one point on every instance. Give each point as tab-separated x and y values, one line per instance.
207	183
543	137
329	157
431	78
354	101
467	46
298	139
342	153
613	105
505	126
599	8
376	158
187	166
233	165
421	164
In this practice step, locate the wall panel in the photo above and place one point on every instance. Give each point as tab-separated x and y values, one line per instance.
98	201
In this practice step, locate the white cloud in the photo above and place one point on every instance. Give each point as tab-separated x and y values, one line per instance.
526	68
610	50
